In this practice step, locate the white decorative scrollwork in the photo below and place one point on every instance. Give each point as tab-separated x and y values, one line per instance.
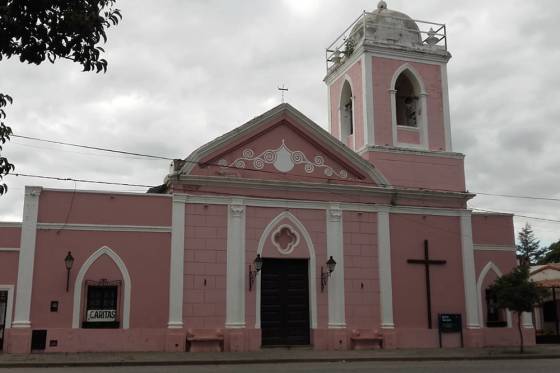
284	160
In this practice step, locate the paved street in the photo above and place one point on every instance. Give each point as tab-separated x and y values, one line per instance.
509	366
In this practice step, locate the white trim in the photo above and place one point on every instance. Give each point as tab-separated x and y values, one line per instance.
105	192
177	264
527	320
235	273
389	53
312	267
494	248
335	285
291	247
446	111
352	135
26	258
78	286
317	205
390	149
469	273
384	265
105	228
422	123
9	305
9	249
10	224
367	96
490	266
338	149
330	108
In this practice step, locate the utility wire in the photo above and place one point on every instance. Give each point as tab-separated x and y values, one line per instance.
92	147
276	172
224	193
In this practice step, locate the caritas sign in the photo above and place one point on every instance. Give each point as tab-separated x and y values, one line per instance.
101	315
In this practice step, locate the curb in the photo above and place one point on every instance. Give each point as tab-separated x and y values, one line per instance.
131	363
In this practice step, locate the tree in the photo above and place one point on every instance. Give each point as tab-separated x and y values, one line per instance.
529	247
552	254
37	30
517	293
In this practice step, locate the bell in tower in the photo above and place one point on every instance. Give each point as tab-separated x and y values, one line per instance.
388	94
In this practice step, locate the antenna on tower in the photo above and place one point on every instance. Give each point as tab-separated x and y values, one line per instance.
283	90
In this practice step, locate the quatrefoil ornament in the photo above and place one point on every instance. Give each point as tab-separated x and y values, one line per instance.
285	239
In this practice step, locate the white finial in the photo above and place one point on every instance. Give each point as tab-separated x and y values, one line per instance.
382	5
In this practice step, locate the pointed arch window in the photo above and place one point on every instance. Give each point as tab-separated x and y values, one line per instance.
346	111
409	109
407	100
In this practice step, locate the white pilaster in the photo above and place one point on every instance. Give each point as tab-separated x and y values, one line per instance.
469	275
235	276
26	258
424	137
367	87
393	94
446	115
176	265
385	275
335	286
527	320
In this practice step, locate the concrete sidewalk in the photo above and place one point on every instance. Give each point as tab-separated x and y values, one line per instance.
270	356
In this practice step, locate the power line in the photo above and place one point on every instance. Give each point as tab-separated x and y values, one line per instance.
92	147
220	193
519	215
277	172
79	180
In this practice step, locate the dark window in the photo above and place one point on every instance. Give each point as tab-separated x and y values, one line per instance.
101	307
3	311
494	315
406	101
549	311
38	340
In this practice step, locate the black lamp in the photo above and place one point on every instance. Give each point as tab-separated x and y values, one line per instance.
331	264
253	273
68	262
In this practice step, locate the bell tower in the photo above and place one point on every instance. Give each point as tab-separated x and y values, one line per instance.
388	97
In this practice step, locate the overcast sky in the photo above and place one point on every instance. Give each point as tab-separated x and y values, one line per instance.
184	72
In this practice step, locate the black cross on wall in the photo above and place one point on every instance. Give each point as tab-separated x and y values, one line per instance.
427	262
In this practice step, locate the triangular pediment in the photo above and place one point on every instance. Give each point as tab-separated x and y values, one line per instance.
282	144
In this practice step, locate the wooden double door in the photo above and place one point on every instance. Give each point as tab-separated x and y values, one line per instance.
285	302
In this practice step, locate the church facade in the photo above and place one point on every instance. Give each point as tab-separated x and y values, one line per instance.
279	232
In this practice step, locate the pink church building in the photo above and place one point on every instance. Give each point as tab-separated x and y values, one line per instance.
279	232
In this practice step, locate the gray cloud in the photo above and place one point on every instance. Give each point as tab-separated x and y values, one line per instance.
183	72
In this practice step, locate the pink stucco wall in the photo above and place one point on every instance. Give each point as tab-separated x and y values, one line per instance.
292	133
204	297
134	248
361	278
420	171
104	208
493	229
383	71
355	75
407	235
9	239
314	221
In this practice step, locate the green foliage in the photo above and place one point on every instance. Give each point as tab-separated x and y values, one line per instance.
552	254
517	293
529	247
5	132
36	30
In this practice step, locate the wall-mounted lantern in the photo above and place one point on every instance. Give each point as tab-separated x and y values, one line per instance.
331	264
253	273
68	262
